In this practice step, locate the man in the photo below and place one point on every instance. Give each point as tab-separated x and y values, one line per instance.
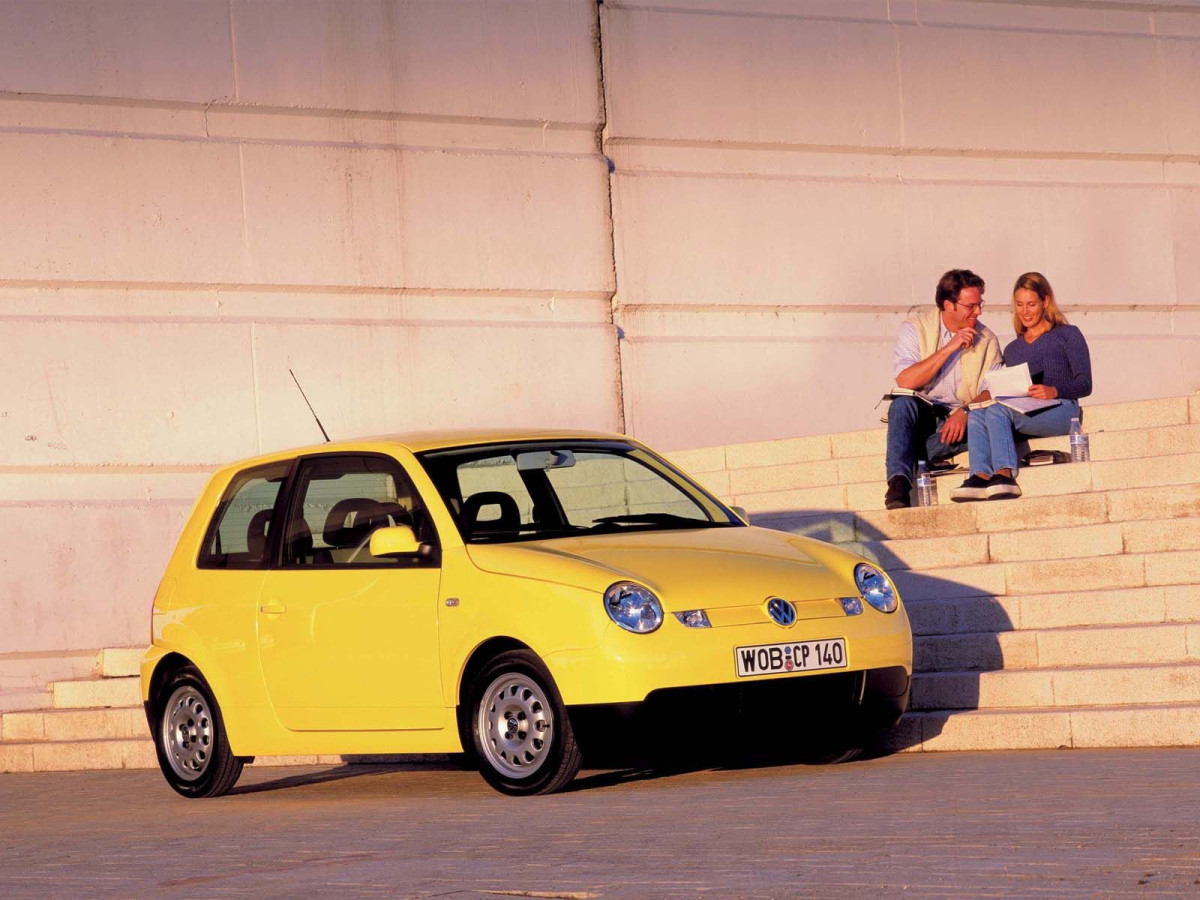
943	352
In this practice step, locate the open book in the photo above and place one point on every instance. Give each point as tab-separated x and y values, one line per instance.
895	392
1009	386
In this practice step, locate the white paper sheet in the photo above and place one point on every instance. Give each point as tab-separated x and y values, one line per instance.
1009	381
1010	385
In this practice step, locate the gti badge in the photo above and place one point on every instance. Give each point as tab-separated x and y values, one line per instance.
781	612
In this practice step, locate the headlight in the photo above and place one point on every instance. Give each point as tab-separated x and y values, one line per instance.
633	607
875	587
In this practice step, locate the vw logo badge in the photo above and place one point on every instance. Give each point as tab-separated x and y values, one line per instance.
781	612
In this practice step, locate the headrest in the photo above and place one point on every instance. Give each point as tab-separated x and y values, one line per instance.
351	521
508	520
256	533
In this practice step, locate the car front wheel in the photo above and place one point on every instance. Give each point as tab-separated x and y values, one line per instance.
522	735
189	736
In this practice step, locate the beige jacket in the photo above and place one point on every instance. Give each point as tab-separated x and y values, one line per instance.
974	362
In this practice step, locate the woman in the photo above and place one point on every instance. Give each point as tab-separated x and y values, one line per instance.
1060	368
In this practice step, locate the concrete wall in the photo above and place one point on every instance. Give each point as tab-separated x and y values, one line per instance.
407	202
403	201
792	177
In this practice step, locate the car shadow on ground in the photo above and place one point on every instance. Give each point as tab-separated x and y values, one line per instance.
355	767
956	626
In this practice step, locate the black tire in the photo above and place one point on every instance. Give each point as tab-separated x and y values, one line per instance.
189	737
520	731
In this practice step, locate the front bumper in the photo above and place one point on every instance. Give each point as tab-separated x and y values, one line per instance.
627	668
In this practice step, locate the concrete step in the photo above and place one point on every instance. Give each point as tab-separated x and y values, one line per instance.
1096	645
1166	725
1108	539
1060	688
33	671
1074	609
97	692
1139	443
778	490
63	756
73	724
1099	573
24	699
1061	511
120	662
1146	446
1113	429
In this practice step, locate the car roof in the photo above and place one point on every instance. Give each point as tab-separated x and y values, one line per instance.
420	441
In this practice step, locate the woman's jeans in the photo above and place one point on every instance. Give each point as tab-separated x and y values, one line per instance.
991	441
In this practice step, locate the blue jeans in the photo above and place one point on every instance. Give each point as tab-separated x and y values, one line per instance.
991	433
914	433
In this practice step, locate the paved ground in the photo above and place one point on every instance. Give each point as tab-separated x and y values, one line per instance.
1047	824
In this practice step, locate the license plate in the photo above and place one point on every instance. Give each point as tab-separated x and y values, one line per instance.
802	656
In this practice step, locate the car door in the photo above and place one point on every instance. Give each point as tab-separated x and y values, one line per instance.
219	600
347	641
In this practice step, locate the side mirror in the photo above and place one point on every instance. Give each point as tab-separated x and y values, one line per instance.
395	540
738	511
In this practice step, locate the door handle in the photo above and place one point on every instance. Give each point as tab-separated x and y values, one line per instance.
273	607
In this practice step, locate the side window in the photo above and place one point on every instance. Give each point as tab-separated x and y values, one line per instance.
237	535
340	501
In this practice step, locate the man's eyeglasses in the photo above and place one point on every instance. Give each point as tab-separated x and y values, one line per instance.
969	307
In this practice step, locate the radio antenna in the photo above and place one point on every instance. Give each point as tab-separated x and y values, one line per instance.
310	409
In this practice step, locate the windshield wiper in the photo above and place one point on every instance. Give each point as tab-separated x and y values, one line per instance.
669	520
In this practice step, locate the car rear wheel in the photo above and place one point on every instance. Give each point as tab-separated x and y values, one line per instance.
522	735
189	736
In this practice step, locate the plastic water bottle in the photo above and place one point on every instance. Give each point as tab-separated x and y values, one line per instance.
1079	442
926	492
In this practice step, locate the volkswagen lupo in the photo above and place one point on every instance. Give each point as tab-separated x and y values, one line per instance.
497	595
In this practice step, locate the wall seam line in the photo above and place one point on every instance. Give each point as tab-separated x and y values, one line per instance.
609	168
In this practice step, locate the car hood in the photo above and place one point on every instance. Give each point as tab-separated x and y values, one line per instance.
688	569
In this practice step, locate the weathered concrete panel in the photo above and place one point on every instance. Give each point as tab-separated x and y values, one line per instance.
997	231
759	241
144	49
1185	229
531	223
750	78
337	216
994	90
108	209
122	392
1110	246
378	379
1181	87
689	392
323	215
526	59
82	575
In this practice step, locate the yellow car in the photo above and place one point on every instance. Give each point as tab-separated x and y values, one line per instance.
500	594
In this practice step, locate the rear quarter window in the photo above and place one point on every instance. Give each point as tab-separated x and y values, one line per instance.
237	535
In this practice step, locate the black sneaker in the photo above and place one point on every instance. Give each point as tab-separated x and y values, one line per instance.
974	488
1001	487
897	496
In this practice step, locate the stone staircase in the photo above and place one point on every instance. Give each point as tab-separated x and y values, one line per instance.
1067	618
97	722
90	722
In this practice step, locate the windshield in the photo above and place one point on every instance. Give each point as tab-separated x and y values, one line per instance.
534	491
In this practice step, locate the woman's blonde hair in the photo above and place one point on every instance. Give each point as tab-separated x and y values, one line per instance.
1038	283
